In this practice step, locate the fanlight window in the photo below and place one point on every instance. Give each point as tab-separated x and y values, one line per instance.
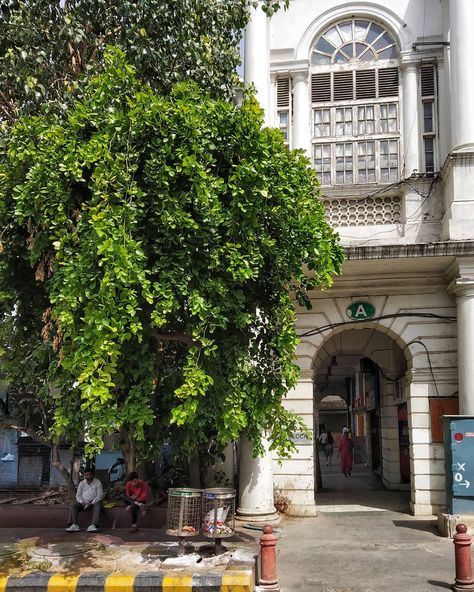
354	41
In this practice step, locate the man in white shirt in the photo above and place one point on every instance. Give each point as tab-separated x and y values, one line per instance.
89	495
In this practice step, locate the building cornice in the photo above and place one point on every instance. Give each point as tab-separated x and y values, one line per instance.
440	249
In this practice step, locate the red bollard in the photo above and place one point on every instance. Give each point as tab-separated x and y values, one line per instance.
464	581
268	571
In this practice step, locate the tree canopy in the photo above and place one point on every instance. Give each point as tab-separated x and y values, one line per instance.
151	246
47	46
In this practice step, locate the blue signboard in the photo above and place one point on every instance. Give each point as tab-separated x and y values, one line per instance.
459	451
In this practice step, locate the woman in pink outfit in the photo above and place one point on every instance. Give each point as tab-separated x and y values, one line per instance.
346	453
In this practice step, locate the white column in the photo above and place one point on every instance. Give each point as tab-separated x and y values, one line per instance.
257	56
255	474
256	485
301	112
464	292
461	14
411	125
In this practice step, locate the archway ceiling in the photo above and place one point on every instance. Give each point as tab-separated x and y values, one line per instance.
339	358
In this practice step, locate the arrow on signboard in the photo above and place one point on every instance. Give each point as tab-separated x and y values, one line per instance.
466	483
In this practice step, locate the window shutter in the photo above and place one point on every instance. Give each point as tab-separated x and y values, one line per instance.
343	86
388	82
321	87
365	84
428	80
283	92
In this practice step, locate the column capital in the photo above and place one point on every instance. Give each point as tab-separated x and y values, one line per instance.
300	76
409	62
462	287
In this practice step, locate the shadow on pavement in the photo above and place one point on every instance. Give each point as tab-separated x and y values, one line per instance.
424	525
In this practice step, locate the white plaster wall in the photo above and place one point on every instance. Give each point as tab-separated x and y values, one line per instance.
407	18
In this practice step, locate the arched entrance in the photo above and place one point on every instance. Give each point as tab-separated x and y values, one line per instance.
359	376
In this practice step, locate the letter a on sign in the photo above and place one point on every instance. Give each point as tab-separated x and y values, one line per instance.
360	311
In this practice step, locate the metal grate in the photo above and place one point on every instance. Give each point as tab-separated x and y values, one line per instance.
218	509
283	92
370	211
183	518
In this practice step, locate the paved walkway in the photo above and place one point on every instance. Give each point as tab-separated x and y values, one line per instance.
363	540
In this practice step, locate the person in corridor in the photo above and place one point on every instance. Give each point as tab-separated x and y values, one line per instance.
346	453
328	448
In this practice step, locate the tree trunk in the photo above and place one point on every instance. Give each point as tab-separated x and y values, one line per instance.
128	446
57	464
194	470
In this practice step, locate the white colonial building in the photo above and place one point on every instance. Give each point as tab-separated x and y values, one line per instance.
380	96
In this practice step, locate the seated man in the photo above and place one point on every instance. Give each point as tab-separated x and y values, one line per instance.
89	493
135	496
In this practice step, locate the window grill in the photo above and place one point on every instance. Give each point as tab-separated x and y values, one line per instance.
369	211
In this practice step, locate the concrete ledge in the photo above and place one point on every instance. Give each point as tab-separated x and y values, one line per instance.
26	515
232	581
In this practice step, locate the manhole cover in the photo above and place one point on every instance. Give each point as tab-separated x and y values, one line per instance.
62	550
6	550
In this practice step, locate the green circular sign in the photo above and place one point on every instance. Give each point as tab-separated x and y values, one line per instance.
360	311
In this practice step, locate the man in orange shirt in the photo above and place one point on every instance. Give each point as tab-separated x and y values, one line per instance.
135	496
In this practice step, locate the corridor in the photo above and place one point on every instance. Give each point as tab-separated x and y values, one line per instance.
362	492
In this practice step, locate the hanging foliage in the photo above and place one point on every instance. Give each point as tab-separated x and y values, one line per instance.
155	243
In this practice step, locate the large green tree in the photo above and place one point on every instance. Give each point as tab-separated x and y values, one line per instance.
46	46
155	243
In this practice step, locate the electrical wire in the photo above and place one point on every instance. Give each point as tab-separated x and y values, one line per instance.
429	360
425	315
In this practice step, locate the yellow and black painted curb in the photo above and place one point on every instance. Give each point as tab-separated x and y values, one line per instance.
230	581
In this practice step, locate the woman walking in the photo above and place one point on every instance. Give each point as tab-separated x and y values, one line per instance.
328	448
346	453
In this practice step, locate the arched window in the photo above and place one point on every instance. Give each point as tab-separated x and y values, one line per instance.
356	40
354	95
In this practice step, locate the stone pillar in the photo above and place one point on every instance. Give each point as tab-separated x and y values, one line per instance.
256	485
463	289
411	123
301	112
257	57
295	477
461	15
255	474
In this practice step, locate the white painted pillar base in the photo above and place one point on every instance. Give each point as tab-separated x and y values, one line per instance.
256	485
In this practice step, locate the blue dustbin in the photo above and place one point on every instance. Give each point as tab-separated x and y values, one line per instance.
459	462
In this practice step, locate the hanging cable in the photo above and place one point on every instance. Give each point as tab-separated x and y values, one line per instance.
424	315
